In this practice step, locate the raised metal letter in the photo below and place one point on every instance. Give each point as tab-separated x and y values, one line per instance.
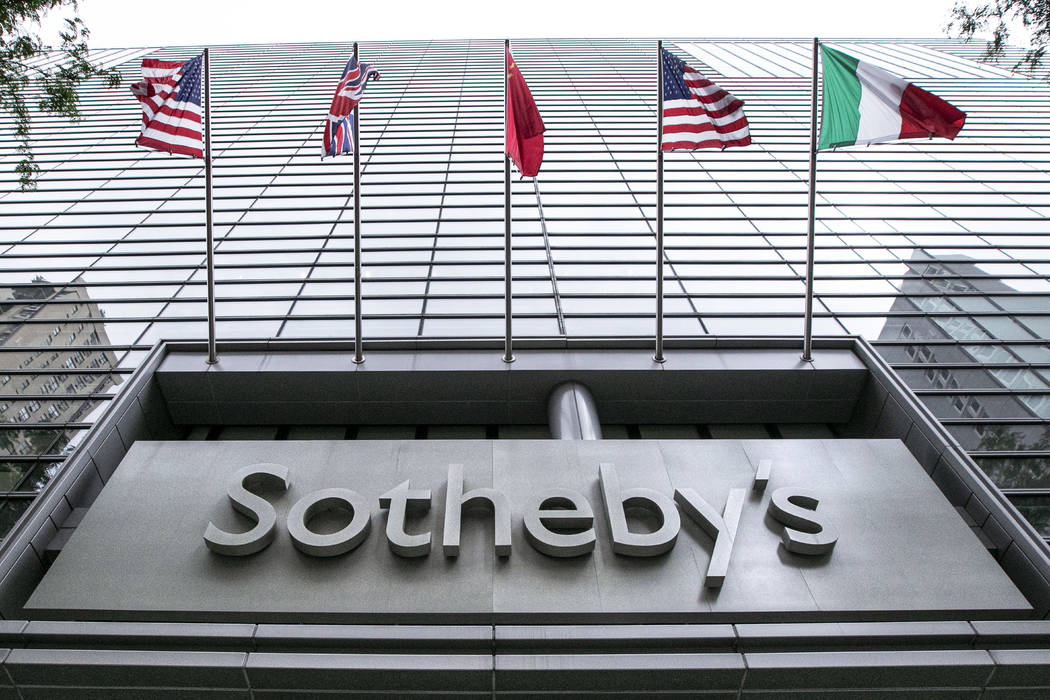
765	468
456	501
721	528
309	542
241	544
401	500
570	511
635	544
804	532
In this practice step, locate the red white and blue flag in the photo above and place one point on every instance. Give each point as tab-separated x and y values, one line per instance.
338	132
698	113
170	93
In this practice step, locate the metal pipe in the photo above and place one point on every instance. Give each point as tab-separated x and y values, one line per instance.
508	315
359	356
213	357
572	413
658	356
807	333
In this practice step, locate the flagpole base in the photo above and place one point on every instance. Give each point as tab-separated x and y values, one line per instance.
508	358
659	359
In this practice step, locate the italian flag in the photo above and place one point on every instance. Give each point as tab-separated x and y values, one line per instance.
864	104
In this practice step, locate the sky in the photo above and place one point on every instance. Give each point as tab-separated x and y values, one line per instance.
133	23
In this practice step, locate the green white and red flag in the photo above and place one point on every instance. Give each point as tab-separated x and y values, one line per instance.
864	104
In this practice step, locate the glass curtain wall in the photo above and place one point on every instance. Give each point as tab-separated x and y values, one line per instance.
936	251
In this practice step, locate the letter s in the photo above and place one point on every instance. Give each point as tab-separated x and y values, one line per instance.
254	507
805	531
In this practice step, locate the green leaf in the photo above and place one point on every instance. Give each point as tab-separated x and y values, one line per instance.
58	84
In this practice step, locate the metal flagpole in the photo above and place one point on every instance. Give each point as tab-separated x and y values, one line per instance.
659	356
213	357
807	340
508	355
359	356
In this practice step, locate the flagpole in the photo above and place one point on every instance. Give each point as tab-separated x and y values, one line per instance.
359	356
213	357
508	355
807	340
659	355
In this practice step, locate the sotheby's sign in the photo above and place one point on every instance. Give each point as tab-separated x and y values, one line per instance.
522	530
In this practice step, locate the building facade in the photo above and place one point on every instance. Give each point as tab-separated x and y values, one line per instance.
932	257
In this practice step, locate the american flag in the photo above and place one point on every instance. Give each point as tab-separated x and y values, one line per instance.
170	93
339	126
698	113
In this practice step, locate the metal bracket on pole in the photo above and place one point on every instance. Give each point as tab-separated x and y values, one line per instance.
213	357
807	339
359	356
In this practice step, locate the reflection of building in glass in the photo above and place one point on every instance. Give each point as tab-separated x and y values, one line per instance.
53	381
954	312
967	330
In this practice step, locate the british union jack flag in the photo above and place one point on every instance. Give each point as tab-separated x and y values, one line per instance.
338	130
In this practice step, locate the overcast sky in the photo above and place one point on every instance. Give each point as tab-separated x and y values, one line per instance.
129	23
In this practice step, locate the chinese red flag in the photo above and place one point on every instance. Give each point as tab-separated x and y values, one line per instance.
524	125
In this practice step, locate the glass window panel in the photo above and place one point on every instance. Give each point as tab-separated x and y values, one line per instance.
1017	472
11	509
1040	325
1002	437
1032	353
1035	509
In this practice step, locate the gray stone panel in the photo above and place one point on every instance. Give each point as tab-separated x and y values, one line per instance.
1028	578
548	638
924	560
18	583
904	552
866	694
859	635
370	672
77	667
297	387
618	672
110	635
1021	667
1022	634
868	669
991	693
361	638
364	695
34	692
